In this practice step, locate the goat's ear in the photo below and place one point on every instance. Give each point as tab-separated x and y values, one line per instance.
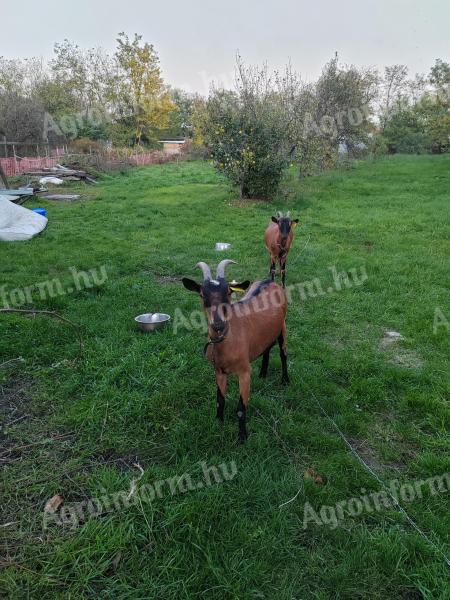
191	285
275	220
294	223
239	287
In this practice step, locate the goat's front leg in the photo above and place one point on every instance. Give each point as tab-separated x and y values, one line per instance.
272	268
221	380
283	271
244	394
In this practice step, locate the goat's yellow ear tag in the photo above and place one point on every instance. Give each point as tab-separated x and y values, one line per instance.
294	224
236	289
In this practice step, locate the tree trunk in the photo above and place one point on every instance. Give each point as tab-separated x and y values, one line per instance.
3	177
245	194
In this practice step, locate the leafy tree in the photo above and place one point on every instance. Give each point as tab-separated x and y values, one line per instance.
181	119
21	76
336	110
248	130
21	119
420	122
394	90
440	73
141	98
404	132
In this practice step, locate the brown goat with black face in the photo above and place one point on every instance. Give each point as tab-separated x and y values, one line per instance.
278	239
239	333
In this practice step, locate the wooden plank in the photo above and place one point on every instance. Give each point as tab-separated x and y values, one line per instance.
19	192
67	197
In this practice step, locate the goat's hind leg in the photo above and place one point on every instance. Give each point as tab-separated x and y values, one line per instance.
221	380
265	362
283	356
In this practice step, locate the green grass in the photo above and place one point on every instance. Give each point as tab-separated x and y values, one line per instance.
150	399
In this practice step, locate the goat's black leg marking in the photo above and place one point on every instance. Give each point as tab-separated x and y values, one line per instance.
220	405
241	411
265	362
283	272
284	374
272	270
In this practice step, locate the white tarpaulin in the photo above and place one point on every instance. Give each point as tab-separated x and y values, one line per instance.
17	222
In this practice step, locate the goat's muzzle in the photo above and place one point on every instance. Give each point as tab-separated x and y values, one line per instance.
218	327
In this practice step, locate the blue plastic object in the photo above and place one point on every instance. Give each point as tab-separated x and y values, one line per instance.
40	211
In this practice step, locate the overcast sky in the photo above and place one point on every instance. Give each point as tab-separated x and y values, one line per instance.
197	40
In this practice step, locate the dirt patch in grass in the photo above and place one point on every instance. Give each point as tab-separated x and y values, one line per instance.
367	453
168	279
406	358
239	203
371	458
398	355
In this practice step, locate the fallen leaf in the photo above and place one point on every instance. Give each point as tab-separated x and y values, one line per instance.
311	474
53	503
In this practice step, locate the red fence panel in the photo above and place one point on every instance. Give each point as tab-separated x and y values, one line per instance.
15	166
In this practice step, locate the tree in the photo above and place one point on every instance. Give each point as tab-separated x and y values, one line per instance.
140	96
440	74
420	121
21	119
248	131
181	119
21	76
394	90
336	110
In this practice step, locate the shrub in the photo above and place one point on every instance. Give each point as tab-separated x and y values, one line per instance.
378	145
247	131
243	146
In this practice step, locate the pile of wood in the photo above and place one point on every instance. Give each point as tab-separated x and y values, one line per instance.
22	194
62	173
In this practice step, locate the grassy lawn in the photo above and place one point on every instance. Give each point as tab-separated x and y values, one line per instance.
77	427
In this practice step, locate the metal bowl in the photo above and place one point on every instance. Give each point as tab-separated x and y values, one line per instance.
152	321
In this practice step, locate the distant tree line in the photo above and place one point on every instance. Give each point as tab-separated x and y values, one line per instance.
86	94
272	120
252	133
414	114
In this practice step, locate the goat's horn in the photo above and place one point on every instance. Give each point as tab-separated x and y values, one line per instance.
205	269
221	267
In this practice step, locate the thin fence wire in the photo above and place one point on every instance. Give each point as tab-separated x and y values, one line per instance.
380	481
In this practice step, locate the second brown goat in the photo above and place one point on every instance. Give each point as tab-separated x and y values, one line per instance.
278	239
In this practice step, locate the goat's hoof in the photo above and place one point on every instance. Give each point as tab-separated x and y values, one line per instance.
285	381
242	437
262	375
220	418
